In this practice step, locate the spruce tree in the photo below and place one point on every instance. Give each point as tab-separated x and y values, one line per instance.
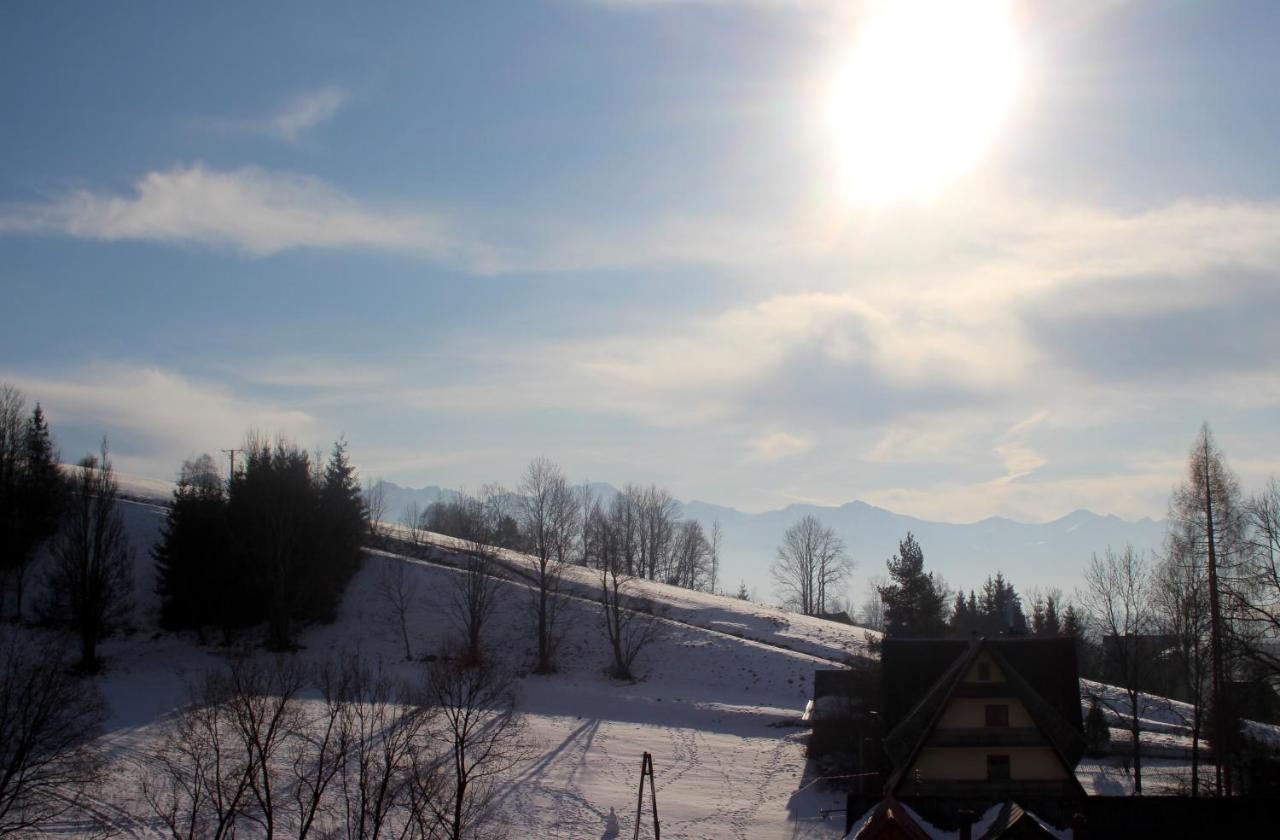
42	494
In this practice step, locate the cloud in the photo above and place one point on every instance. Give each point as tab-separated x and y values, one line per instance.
155	417
303	113
249	210
777	446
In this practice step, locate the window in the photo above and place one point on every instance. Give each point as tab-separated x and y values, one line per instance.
998	768
998	714
984	671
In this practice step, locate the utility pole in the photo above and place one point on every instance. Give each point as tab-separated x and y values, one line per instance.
231	453
646	769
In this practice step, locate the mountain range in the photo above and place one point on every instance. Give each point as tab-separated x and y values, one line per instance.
1046	554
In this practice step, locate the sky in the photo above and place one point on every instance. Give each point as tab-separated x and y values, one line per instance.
1003	261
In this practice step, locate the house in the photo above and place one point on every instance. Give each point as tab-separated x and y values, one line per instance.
985	720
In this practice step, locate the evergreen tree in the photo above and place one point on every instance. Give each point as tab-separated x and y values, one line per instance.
1037	615
196	579
42	496
913	601
343	518
1052	626
1000	608
1097	734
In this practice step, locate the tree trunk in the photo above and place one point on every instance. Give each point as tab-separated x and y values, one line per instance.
1195	749
1136	728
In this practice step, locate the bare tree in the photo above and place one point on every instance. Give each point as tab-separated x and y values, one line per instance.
1118	596
629	625
549	522
475	593
398	589
198	781
717	542
481	735
657	531
690	556
811	563
47	717
387	730
871	615
1256	592
375	504
264	712
1207	514
90	581
411	521
1181	600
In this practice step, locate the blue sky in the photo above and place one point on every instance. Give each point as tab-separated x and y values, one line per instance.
618	234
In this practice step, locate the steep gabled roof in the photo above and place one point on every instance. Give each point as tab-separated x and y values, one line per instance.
904	741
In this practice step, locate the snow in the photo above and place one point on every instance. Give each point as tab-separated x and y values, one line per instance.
718	704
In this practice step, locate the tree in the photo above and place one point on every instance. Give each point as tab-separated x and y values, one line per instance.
89	586
630	627
374	498
1000	608
1207	514
1256	591
743	594
273	514
1119	598
47	717
871	615
475	593
549	522
481	736
1097	734
32	491
913	602
810	564
1181	600
195	578
399	592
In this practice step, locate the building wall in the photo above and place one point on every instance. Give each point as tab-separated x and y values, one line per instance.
970	763
971	713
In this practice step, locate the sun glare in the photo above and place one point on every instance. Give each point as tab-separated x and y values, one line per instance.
922	95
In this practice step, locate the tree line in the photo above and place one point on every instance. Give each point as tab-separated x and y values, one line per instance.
276	544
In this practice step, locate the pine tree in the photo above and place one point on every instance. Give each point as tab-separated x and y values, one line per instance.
343	517
1052	626
1097	734
913	602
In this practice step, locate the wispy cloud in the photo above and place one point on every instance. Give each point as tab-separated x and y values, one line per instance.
250	210
292	120
303	113
160	416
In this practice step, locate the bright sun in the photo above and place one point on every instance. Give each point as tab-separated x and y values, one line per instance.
922	95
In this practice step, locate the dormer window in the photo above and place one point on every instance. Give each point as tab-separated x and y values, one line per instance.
984	671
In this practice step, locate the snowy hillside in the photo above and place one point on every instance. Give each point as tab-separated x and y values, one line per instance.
721	693
718	703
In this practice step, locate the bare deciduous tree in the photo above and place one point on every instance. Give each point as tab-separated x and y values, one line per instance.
871	615
482	738
630	626
1256	592
1181	601
810	565
1207	515
47	716
475	593
89	585
1118	596
549	521
398	589
375	504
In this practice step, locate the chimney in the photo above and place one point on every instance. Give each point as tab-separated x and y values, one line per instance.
967	819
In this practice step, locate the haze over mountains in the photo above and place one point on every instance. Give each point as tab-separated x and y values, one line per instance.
1030	554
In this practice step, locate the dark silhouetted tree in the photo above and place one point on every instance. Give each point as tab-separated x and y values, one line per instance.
914	603
195	575
89	586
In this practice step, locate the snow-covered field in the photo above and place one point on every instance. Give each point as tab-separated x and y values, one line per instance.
718	704
721	694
